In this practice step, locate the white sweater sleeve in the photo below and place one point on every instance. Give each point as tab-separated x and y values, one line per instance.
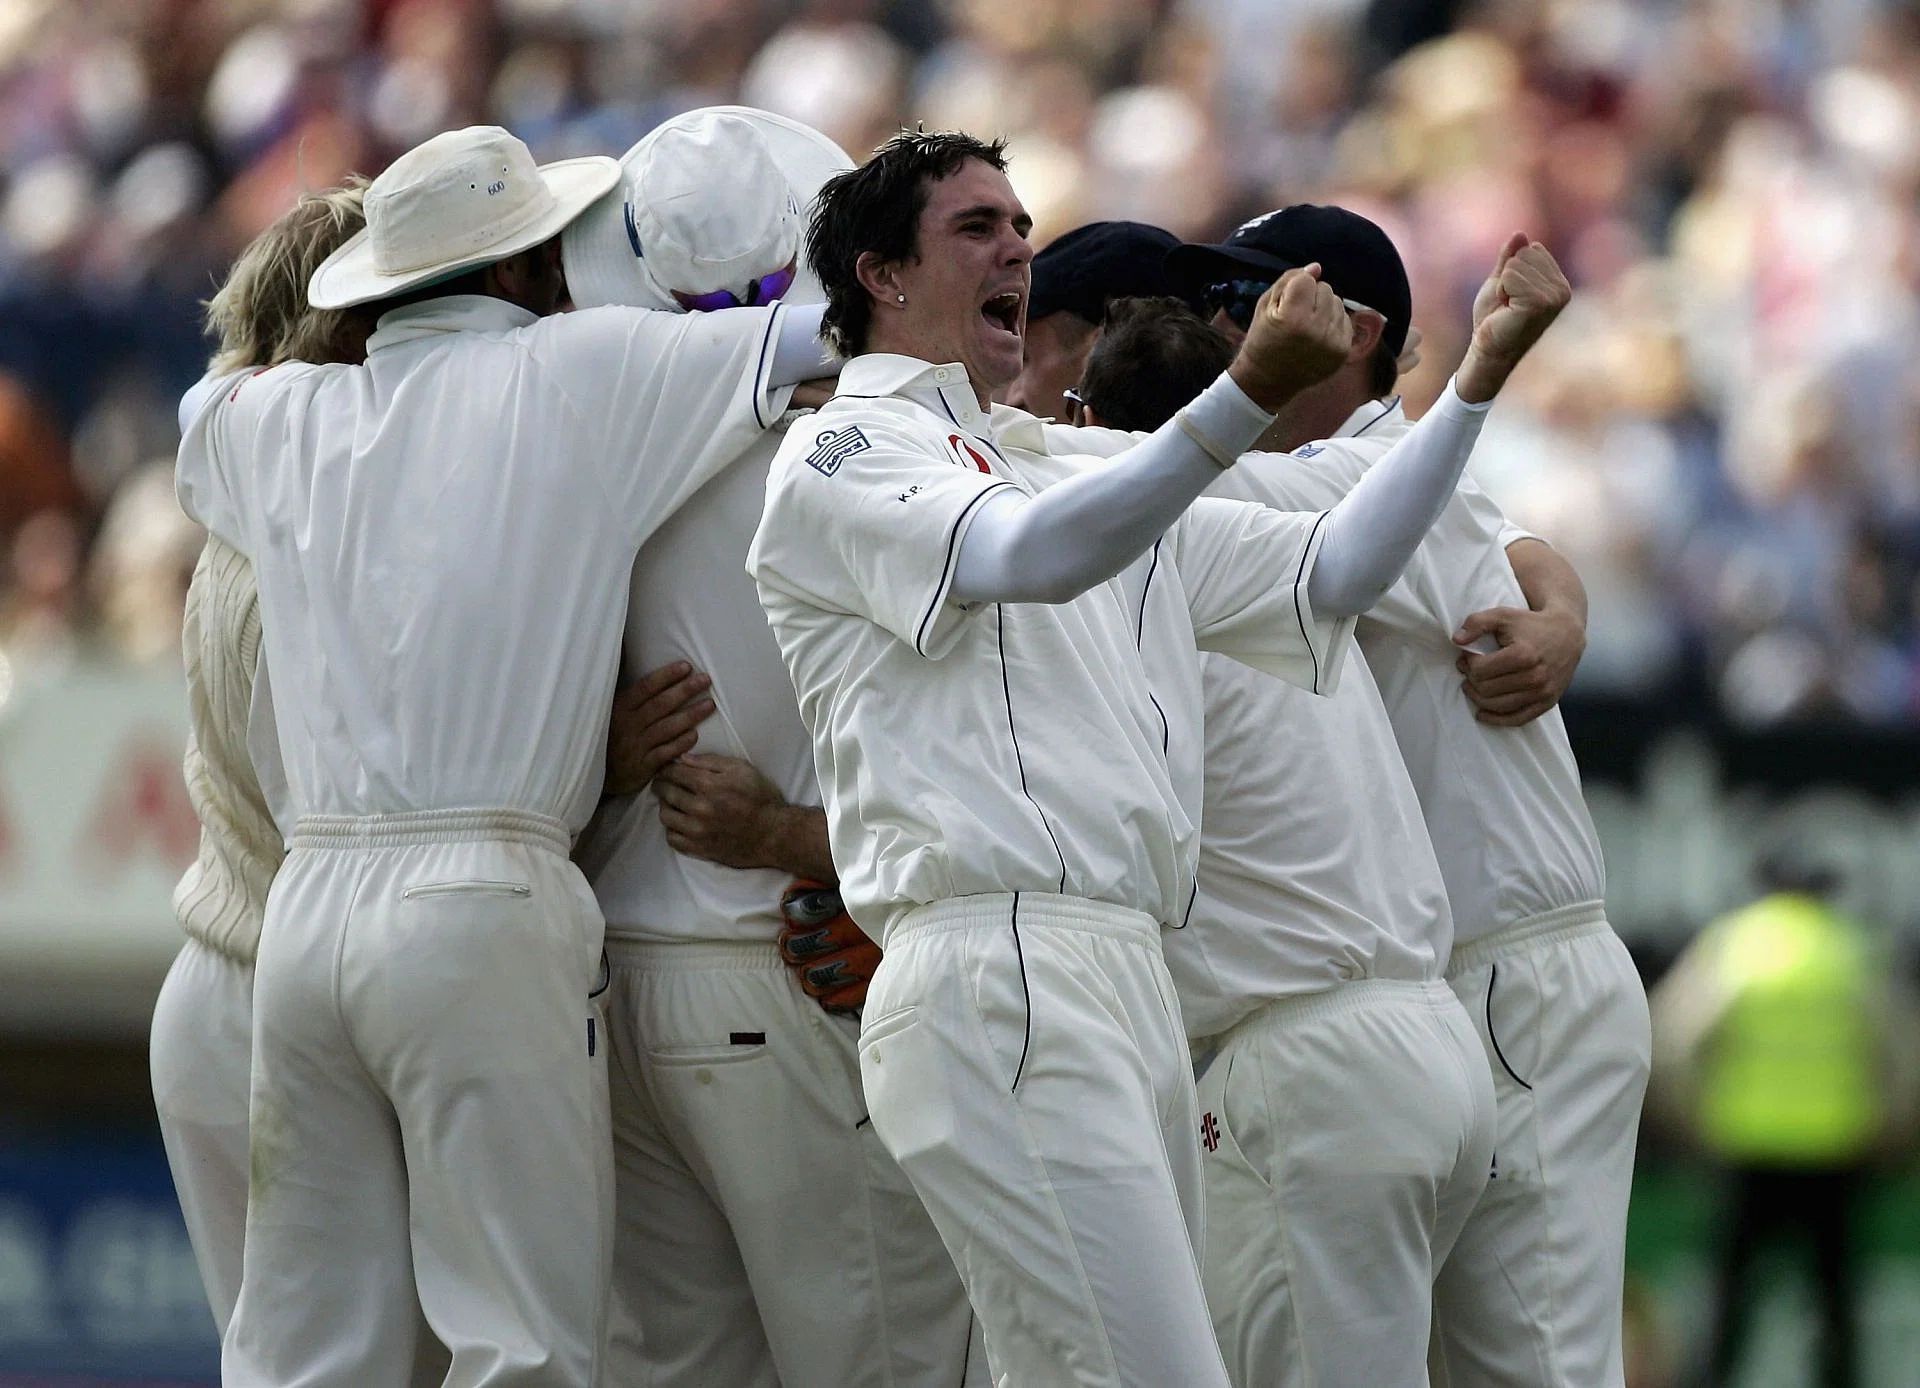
1082	531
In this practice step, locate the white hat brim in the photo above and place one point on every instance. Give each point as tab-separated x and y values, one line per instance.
349	276
600	264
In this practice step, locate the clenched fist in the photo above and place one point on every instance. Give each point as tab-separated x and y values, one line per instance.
1519	301
1300	335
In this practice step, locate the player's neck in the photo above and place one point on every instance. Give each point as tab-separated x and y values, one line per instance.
1315	413
898	337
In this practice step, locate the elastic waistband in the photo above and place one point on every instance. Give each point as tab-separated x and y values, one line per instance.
430	826
1547	928
657	956
996	909
1285	1013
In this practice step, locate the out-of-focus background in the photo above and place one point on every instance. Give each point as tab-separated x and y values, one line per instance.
1723	434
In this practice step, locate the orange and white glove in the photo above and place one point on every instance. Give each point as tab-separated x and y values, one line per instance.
831	956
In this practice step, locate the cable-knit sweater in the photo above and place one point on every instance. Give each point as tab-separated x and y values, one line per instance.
222	898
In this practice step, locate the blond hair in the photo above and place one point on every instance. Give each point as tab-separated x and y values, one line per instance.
261	315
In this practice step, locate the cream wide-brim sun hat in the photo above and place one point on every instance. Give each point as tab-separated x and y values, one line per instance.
463	199
709	200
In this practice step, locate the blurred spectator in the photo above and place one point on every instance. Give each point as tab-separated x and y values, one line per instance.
1726	437
1787	1046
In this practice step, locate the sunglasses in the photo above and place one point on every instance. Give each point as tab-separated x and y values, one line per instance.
1238	298
759	293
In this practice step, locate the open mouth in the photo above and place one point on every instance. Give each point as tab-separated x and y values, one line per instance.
1003	311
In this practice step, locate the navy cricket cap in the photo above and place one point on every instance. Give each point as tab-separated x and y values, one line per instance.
1356	260
1081	271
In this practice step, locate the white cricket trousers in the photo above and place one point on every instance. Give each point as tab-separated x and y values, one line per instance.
428	1109
201	1058
1532	1293
198	1055
1025	1063
1347	1135
763	1238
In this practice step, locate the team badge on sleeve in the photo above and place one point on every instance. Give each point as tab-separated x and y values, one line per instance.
966	454
833	449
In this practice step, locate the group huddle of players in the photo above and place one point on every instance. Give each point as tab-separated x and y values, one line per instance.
788	799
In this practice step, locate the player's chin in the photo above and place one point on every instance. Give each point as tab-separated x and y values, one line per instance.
1000	357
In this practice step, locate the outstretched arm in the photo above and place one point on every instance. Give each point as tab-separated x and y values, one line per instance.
1079	532
799	354
1374	531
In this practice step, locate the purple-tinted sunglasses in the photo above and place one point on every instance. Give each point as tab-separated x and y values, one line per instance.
761	291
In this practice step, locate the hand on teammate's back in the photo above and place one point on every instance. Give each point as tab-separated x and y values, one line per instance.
655	719
1517	304
723	810
1299	336
1539	652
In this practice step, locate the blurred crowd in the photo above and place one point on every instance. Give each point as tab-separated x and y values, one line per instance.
1723	434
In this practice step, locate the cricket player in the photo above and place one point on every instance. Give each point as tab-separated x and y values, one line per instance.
763	1236
1309	974
1531	1293
994	652
203	1019
441	539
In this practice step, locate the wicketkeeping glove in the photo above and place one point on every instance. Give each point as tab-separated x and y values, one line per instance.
830	955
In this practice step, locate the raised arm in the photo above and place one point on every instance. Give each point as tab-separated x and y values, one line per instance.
1079	532
1374	531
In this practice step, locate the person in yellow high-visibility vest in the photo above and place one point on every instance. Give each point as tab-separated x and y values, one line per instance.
1779	1030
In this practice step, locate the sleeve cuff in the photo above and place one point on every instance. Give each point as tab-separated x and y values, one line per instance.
1227	416
1450	400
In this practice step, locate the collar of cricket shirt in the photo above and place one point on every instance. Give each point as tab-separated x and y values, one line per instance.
456	313
942	388
1375	414
1017	429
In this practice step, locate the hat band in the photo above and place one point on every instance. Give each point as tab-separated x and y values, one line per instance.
467	244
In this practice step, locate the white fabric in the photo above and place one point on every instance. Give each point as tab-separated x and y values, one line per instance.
1388	512
967	748
731	241
1085	528
463	199
1348	1136
424	1114
606	265
442	537
198	1053
763	1237
691	599
1531	1297
223	893
1315	867
1023	1060
1503	805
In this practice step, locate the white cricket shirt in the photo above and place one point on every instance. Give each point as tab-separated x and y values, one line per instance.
990	747
443	537
691	599
1503	806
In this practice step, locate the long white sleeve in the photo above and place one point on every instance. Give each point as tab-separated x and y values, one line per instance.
800	354
1372	533
1082	531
